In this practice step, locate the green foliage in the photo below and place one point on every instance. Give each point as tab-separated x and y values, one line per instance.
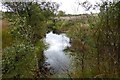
27	27
61	13
28	19
94	45
63	25
108	37
18	60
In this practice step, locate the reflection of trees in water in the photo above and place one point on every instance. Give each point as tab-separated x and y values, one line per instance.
46	70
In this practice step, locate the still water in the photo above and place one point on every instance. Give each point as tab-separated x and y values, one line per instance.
55	56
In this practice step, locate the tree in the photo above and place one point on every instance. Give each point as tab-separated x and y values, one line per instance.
61	13
28	25
108	36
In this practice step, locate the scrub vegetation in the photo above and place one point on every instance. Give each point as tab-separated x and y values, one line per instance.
94	39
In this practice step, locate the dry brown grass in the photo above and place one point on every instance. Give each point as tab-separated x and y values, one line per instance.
6	37
5	24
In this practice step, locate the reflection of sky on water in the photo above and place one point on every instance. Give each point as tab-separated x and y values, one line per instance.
54	54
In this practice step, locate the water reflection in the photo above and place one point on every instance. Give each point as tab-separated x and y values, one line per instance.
55	57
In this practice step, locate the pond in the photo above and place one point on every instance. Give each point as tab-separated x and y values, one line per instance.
56	59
